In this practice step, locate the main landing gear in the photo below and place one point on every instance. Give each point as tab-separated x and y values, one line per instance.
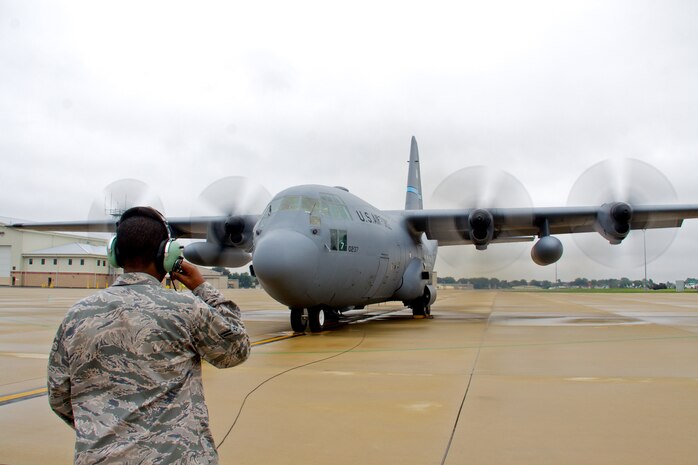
421	307
317	319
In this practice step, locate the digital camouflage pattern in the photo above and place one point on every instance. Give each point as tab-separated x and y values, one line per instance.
125	371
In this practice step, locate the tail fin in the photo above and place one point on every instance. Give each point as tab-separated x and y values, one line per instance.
413	199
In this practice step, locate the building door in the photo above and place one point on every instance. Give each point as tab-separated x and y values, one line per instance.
5	261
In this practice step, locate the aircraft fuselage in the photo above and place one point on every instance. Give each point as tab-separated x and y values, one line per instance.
318	246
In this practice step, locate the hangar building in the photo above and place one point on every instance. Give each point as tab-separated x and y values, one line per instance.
47	259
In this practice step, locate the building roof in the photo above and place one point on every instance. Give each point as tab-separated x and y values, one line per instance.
6	220
74	249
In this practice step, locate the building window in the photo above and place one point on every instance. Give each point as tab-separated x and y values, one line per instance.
55	261
43	261
70	261
99	262
82	261
31	261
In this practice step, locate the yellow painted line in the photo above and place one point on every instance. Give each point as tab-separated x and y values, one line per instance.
10	398
22	396
24	355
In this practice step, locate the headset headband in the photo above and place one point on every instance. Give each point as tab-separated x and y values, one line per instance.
147	212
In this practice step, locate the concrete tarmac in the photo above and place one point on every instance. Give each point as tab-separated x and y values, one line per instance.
493	378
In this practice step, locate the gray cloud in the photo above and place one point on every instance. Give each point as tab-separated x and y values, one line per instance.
179	95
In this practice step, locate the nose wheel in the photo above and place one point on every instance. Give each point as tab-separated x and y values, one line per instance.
315	318
299	320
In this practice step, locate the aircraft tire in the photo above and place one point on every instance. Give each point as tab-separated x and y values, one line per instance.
298	320
316	319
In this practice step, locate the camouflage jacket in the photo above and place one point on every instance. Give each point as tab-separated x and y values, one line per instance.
125	371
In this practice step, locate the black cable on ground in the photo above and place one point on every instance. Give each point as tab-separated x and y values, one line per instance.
244	401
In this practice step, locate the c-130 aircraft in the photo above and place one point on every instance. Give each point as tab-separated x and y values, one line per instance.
321	250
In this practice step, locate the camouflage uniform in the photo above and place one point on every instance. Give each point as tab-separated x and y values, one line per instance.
125	371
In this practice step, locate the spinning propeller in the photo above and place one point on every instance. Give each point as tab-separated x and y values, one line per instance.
238	200
234	201
633	182
119	196
481	190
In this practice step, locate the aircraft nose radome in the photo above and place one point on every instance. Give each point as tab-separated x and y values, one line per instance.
286	263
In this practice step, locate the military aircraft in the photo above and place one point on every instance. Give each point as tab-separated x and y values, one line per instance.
321	250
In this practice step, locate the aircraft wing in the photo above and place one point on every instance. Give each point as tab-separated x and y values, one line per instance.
482	226
228	238
105	226
195	228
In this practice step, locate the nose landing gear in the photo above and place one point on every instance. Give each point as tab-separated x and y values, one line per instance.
317	319
299	320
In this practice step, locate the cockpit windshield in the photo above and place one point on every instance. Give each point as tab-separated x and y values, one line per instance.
333	206
328	205
294	203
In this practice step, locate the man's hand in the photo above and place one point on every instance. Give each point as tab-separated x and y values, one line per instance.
189	276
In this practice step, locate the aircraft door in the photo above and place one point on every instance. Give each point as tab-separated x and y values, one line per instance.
383	264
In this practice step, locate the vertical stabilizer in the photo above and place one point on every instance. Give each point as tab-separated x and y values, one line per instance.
413	199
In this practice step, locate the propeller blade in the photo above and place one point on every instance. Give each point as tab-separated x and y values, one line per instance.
230	196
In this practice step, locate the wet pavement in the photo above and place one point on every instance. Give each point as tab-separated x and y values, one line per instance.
493	378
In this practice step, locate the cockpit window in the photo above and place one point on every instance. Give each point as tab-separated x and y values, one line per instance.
333	206
292	203
329	205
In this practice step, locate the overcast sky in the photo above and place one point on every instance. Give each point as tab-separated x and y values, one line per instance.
179	94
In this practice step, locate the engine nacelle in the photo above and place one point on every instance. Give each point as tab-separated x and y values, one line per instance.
481	228
613	221
209	254
235	230
547	250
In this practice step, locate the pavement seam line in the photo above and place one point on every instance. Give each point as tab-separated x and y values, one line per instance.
467	388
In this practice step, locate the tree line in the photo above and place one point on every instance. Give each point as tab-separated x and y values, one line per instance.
612	283
245	280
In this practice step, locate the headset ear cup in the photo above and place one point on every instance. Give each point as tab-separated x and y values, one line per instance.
172	252
111	253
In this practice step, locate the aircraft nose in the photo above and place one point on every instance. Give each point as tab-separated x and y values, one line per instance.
285	263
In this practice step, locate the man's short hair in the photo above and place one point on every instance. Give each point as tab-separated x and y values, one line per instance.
139	235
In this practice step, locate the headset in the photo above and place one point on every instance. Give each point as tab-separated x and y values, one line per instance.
169	255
